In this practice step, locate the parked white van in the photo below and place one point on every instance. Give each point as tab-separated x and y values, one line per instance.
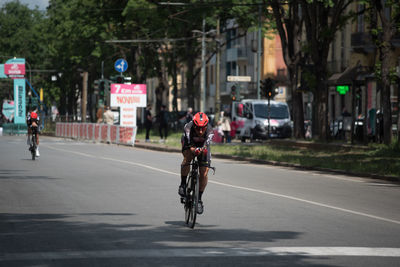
250	116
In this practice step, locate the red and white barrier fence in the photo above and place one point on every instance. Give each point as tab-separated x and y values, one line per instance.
97	132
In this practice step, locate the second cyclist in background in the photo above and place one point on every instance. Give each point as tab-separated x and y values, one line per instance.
196	140
33	125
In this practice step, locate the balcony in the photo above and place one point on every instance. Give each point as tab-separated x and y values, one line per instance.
236	53
361	42
242	53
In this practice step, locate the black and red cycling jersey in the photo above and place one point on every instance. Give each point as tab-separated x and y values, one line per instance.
32	117
191	139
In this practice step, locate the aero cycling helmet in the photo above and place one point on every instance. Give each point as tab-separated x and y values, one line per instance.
33	115
200	119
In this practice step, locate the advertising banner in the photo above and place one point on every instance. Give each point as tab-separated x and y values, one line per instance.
128	97
19	101
15	68
8	109
128	116
2	74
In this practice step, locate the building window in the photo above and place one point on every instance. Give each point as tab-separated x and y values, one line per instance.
230	36
360	18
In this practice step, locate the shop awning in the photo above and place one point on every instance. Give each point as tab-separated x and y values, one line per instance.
350	75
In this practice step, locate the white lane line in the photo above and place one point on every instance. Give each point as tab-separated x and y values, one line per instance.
205	252
309	202
243	188
116	160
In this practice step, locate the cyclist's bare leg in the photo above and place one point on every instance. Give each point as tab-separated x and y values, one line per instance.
29	136
203	178
187	158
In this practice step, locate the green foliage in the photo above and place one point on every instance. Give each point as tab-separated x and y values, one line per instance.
71	36
378	73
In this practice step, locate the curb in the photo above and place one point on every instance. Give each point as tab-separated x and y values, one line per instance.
393	179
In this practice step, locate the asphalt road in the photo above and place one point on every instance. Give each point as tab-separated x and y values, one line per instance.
85	204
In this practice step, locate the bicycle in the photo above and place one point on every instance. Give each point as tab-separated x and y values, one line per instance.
191	197
33	145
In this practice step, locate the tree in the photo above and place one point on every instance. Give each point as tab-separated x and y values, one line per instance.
22	36
77	43
323	18
383	35
289	25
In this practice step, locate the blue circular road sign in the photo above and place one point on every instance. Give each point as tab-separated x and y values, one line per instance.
121	65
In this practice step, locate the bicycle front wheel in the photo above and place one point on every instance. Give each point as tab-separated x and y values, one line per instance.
33	148
188	200
193	198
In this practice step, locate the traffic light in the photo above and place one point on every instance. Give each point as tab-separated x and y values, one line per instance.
233	93
102	87
267	88
120	79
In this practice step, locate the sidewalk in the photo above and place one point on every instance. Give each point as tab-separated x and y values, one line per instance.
162	147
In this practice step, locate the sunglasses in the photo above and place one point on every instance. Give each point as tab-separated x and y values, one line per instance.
199	128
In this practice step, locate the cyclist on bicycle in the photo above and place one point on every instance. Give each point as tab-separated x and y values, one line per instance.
196	139
33	125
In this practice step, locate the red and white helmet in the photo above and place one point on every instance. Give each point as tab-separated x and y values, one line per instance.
200	119
34	115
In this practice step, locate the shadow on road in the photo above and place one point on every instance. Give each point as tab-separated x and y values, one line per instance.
105	239
19	175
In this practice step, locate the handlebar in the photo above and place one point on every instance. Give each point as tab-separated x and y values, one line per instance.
194	162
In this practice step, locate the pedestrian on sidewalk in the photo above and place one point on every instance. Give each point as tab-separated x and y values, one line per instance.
225	123
189	115
108	116
148	122
163	123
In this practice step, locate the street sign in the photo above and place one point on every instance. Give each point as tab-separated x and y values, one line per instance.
239	78
121	65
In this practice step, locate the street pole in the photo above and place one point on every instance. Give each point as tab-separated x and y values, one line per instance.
102	69
217	83
203	66
259	53
84	95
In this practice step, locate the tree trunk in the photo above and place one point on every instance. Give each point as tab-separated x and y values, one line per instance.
388	31
365	123
353	112
298	114
190	74
398	109
387	109
321	96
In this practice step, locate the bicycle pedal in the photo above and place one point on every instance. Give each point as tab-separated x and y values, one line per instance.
183	200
